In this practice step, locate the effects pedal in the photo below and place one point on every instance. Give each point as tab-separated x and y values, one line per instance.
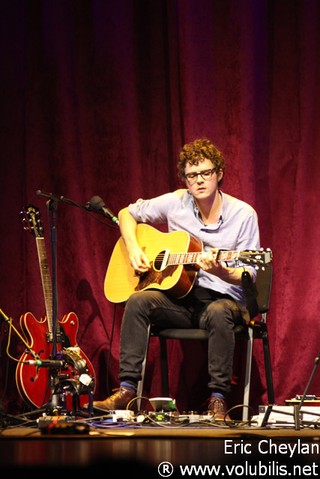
55	425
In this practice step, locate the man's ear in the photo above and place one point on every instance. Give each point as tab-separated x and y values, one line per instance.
220	175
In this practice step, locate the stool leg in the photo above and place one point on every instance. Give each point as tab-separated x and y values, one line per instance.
247	380
143	371
164	366
267	365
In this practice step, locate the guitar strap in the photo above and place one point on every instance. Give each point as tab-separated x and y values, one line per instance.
250	293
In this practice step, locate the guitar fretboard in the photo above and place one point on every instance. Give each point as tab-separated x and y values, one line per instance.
46	279
191	258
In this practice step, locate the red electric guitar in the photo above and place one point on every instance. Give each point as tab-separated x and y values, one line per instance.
34	382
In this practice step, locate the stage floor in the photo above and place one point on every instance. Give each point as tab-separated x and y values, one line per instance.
159	449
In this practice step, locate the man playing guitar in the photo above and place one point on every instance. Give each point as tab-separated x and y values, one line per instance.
215	299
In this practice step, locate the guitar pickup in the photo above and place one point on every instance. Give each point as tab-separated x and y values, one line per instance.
59	337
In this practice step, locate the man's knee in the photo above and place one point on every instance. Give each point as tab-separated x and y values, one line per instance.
220	311
144	300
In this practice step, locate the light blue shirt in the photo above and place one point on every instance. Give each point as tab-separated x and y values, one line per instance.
236	229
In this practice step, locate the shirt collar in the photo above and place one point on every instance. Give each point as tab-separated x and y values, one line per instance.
198	215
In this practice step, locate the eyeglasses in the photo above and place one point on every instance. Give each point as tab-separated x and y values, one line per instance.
206	175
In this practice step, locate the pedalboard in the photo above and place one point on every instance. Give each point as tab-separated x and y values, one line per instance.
148	417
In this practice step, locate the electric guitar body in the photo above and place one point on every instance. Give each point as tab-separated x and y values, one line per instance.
32	382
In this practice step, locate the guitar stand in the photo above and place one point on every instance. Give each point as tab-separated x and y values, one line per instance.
73	387
57	406
59	387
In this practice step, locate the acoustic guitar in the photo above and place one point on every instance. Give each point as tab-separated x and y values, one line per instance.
173	258
33	382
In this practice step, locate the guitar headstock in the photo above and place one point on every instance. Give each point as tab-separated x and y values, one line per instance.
31	221
257	258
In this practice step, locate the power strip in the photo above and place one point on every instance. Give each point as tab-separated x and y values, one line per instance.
173	418
193	418
120	415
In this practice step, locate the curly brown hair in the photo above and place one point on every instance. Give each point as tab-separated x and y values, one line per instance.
197	151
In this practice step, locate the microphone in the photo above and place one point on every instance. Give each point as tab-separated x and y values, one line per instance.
45	363
97	204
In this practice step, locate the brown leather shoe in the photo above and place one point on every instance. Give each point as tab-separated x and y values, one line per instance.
218	408
119	400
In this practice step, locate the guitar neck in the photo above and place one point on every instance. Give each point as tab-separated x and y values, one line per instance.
192	257
45	279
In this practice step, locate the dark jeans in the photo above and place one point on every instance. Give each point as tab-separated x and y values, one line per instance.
201	308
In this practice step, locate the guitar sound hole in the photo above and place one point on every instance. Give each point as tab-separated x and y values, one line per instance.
158	262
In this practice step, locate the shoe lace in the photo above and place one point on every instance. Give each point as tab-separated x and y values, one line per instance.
116	390
216	400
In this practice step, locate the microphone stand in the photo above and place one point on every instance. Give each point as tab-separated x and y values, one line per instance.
52	208
89	208
297	414
55	198
297	407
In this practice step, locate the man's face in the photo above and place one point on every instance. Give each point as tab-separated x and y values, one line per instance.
202	179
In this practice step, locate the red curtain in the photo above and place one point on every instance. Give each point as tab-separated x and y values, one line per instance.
97	97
